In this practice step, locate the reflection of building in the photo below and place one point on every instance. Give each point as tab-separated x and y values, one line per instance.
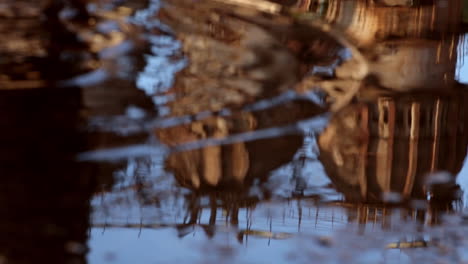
218	164
391	144
45	193
408	46
233	62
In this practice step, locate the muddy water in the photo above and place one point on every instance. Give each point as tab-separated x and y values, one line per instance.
233	131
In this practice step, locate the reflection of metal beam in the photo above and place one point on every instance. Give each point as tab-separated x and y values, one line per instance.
436	129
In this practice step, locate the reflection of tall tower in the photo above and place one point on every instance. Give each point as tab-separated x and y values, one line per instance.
392	144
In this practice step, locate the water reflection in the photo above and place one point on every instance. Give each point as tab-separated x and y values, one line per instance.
387	141
241	162
251	121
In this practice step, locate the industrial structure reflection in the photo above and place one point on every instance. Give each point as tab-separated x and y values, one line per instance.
380	147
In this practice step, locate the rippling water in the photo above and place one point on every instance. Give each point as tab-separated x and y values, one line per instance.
233	131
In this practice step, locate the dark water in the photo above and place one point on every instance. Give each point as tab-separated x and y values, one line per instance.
233	131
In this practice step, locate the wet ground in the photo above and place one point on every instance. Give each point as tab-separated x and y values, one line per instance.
233	131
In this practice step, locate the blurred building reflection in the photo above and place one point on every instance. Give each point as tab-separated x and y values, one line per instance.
369	22
392	145
380	150
236	165
407	45
232	64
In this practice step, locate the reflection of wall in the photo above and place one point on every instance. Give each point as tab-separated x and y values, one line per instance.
390	145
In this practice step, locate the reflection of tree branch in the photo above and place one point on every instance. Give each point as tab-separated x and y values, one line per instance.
265	234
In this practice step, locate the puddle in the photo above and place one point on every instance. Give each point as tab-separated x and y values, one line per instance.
233	131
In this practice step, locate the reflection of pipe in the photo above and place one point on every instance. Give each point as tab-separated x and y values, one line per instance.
412	244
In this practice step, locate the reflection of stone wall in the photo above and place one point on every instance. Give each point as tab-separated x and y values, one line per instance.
390	145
